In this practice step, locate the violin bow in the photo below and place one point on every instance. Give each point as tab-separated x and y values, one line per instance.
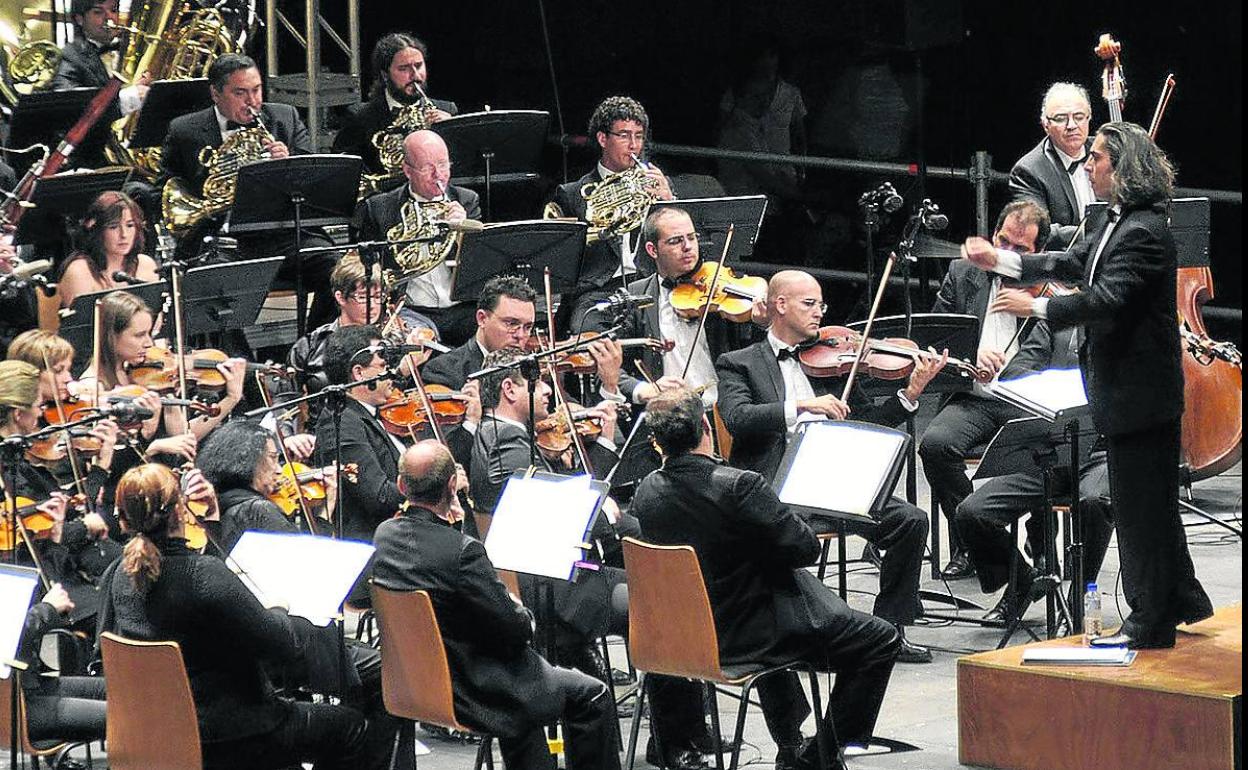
706	311
561	401
304	508
866	330
19	530
1167	90
179	341
74	468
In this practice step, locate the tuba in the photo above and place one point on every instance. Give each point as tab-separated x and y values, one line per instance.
182	210
389	144
421	220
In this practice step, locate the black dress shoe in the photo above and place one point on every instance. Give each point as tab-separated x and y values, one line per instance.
805	756
1155	640
871	555
913	653
680	759
959	567
705	744
1000	612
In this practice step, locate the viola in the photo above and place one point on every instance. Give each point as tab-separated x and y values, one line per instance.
158	370
404	412
833	352
1213	384
733	298
582	362
553	435
309	481
38	523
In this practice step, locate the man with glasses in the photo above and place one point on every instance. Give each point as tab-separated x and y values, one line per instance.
619	126
1052	174
764	394
427	166
668	238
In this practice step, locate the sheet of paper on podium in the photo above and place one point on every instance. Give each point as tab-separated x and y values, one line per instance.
309	575
840	466
541	524
1045	393
17	586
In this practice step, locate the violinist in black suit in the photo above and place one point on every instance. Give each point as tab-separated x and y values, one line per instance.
968	420
620	126
400	69
768	609
763	393
237	92
352	354
1052	173
501	685
1130	358
427	166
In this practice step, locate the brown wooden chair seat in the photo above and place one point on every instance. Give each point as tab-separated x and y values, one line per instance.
56	750
672	632
151	715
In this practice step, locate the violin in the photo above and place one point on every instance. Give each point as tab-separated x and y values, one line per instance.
552	433
833	352
52	450
35	521
404	412
158	370
74	408
733	298
311	481
1050	289
582	361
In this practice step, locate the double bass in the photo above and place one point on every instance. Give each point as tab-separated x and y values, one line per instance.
1213	385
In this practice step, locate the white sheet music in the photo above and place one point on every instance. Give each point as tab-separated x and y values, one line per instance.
17	586
540	525
308	575
840	467
1047	392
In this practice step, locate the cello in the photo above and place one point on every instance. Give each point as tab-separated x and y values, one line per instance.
1213	385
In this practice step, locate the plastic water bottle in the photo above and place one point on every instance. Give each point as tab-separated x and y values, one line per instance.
1093	623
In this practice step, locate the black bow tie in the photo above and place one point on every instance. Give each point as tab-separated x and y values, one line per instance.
1113	214
670	283
786	353
1075	164
231	125
109	47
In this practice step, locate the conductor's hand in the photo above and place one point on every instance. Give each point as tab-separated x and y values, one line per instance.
1015	302
826	405
980	252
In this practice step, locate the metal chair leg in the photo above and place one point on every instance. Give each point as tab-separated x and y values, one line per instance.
633	731
713	704
740	730
822	739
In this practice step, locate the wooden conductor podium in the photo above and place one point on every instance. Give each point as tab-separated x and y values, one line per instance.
1177	708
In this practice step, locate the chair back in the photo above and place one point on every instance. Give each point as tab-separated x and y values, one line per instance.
723	439
415	676
151	714
511	580
670	626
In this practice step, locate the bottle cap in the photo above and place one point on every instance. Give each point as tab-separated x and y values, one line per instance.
1091	586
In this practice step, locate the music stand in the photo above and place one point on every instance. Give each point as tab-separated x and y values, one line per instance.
45	116
495	146
78	320
296	192
218	298
712	216
542	523
64	196
638	457
525	248
18	584
166	100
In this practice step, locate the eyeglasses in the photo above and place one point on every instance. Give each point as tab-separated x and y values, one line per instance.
629	136
515	325
1066	117
361	298
679	240
811	304
429	168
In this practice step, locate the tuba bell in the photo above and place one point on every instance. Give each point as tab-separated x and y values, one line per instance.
183	210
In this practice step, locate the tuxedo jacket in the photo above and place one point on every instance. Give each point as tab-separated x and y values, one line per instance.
602	258
190	134
366	119
1130	356
82	67
374	496
500	684
452	369
1041	176
376	214
751	403
721	335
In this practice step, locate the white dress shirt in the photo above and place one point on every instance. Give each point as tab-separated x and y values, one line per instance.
629	265
681	331
433	289
1079	179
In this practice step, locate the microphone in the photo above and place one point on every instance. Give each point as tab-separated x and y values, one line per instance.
398	351
127	411
622	301
120	276
31	269
884	196
930	216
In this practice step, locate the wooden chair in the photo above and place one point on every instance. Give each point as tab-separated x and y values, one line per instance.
151	715
672	632
415	676
55	749
723	439
49	311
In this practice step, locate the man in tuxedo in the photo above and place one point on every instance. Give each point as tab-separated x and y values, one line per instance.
501	685
763	394
619	126
669	239
968	420
237	92
1131	363
427	166
768	609
1052	173
400	69
352	354
506	309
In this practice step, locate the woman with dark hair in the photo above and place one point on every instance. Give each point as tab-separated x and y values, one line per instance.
161	590
110	240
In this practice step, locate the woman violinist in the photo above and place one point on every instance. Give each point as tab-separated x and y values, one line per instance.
161	590
110	240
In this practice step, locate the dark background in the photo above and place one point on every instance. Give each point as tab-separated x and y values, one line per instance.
982	80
